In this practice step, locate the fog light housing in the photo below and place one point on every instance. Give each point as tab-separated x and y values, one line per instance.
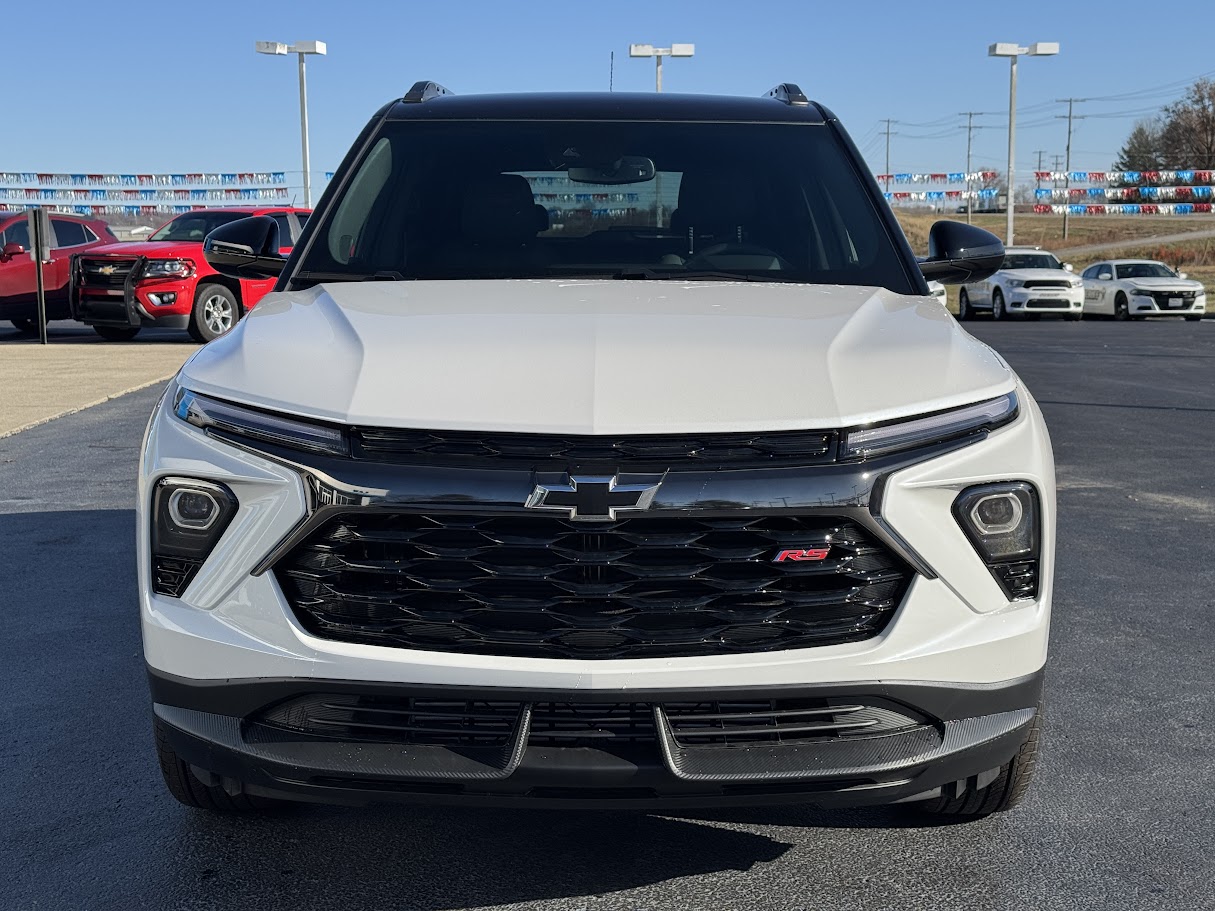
163	298
1003	523
188	518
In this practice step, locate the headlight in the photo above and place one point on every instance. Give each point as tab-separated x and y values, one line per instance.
249	423
1002	523
1140	292
1015	282
1077	282
866	442
168	268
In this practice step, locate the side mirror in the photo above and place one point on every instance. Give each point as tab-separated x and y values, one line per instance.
1181	275
1105	276
245	248
1067	267
961	253
10	251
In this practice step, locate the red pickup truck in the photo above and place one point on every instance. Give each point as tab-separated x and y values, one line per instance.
165	281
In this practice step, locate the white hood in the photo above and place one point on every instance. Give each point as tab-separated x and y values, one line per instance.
597	357
1037	275
1164	284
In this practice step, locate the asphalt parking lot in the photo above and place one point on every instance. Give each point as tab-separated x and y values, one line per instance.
1122	814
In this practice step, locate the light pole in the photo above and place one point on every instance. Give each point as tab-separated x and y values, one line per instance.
303	49
648	50
1012	51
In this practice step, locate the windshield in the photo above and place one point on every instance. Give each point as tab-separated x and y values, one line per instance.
1030	261
1145	270
195	225
562	199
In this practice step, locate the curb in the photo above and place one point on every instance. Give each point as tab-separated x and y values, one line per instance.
164	379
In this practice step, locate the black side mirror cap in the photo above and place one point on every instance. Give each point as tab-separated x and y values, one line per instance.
245	248
961	253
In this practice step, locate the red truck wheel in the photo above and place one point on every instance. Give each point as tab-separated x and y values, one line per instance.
216	311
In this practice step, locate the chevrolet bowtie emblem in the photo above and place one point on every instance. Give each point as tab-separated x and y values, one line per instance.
106	270
595	498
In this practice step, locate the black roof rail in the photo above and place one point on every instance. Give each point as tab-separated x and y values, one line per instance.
788	93
424	91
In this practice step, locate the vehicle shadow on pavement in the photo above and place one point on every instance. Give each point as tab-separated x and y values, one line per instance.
74	334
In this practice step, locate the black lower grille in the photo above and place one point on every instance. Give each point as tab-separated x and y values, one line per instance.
1049	303
1163	298
604	726
554	588
375	719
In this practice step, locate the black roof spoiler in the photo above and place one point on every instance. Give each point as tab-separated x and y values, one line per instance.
788	93
424	91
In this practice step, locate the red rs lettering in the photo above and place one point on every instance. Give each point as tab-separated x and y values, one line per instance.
811	554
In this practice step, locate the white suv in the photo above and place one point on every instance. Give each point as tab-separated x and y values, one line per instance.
598	450
1030	283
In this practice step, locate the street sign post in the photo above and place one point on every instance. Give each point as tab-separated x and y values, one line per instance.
41	241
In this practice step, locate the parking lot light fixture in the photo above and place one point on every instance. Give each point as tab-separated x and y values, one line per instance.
302	49
648	50
1012	51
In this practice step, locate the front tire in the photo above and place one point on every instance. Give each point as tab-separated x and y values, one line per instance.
1122	309
964	311
997	305
216	311
117	333
189	789
1002	794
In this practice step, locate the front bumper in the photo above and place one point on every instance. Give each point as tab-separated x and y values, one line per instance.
967	733
1044	300
130	306
1141	305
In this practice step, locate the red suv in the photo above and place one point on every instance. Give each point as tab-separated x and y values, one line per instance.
18	283
165	281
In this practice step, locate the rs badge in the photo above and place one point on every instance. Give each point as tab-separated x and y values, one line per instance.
809	555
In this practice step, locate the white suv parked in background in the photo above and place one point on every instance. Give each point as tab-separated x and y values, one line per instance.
1030	283
515	493
1138	288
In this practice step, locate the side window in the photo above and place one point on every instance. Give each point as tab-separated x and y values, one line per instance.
89	236
347	224
284	229
18	233
68	233
1090	272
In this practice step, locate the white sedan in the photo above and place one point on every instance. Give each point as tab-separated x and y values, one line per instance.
1031	282
1137	288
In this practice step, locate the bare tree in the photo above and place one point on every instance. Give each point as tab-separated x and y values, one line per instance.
1188	138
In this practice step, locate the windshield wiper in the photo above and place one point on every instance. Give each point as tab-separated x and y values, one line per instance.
384	275
695	276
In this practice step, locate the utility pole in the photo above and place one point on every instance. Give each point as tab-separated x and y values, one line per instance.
1039	153
970	129
1067	167
888	122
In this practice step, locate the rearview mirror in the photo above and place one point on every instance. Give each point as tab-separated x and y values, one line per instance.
961	253
626	169
245	248
9	251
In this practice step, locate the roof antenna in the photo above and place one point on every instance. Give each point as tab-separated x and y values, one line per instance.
612	72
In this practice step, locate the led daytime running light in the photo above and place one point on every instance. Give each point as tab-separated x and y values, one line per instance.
212	414
873	441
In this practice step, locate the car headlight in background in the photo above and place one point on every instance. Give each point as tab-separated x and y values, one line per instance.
248	423
188	518
1141	292
1077	283
867	442
168	268
1015	283
1002	522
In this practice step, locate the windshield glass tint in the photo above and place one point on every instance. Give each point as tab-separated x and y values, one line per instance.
195	225
1145	270
519	199
1030	261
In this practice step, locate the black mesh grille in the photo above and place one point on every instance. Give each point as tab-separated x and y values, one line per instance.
572	725
1048	283
550	587
665	450
781	721
105	273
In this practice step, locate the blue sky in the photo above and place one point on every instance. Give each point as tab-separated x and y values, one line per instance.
159	86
